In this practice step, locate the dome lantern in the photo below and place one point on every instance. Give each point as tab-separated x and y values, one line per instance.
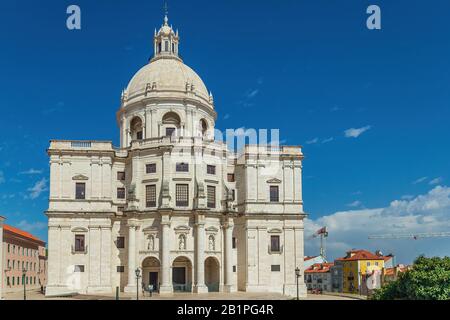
166	41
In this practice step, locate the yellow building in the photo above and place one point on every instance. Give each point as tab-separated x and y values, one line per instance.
357	266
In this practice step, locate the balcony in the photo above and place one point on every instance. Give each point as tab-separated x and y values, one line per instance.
274	251
83	250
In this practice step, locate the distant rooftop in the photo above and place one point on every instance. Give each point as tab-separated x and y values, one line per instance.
21	233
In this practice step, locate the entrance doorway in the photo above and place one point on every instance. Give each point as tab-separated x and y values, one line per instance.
153	280
182	275
212	274
150	273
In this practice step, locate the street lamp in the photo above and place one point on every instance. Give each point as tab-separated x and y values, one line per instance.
297	275
138	275
24	273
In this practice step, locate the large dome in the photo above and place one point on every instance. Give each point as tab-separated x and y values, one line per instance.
168	74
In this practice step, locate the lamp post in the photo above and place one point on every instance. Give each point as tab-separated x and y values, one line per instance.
297	275
138	275
24	273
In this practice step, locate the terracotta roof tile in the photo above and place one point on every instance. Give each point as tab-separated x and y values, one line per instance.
21	233
319	268
360	255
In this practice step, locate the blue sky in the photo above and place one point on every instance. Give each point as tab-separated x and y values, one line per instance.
310	68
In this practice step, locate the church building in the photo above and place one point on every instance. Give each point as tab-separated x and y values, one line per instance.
172	208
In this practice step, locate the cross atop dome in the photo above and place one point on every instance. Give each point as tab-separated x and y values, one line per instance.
166	41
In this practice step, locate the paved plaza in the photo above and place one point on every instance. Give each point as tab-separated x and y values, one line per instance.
35	295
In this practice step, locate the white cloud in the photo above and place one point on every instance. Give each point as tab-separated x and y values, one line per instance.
356	132
2	177
252	93
38	188
31	226
422	179
312	141
31	172
350	229
327	140
335	108
436	181
355	204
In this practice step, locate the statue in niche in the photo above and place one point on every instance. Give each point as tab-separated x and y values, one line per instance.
212	243
182	242
151	243
132	192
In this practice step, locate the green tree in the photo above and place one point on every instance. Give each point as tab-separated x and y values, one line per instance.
429	279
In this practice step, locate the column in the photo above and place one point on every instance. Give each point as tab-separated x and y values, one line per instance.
199	286
131	286
228	261
166	286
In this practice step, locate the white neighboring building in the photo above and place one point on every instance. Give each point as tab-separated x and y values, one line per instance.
171	201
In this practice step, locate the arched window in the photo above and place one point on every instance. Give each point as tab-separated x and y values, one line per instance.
171	123
203	127
136	129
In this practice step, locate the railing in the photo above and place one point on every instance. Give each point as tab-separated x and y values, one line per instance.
77	144
80	144
279	251
82	251
182	287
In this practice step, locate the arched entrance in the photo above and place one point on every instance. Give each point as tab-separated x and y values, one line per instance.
212	274
151	272
182	275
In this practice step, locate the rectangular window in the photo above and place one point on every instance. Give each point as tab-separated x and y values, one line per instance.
233	243
120	242
121	269
274	194
170	132
275	268
233	194
230	177
150	196
150	168
80	191
210	169
211	197
120	193
234	268
182	195
121	175
139	135
79	268
275	243
182	167
79	243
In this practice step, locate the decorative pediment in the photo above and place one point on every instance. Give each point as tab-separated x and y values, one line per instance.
275	230
212	229
79	229
274	180
80	177
182	229
150	229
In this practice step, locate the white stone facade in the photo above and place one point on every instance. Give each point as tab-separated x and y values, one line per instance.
171	201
